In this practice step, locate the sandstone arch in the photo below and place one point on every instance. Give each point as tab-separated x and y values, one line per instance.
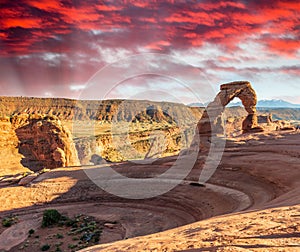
211	122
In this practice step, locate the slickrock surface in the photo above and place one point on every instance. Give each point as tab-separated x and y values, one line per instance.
266	168
259	174
275	229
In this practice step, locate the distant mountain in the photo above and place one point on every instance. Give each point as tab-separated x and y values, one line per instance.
276	104
262	104
197	104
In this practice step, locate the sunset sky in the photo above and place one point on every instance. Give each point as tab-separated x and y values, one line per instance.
53	48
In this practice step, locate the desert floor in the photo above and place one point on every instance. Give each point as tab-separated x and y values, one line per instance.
251	203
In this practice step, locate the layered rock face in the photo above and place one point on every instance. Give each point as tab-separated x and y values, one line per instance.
132	145
96	110
175	123
211	121
9	155
44	142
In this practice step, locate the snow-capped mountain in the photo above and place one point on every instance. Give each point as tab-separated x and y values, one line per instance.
277	104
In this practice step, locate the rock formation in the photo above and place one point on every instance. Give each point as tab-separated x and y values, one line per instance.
211	121
44	142
132	145
97	110
265	119
143	118
9	155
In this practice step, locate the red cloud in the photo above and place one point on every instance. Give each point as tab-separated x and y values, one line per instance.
208	5
21	22
294	70
74	15
191	17
158	45
45	5
148	20
191	35
3	35
143	24
283	46
104	7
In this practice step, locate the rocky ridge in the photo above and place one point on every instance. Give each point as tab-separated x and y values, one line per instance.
105	110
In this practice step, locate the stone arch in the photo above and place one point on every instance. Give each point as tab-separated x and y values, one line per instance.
210	122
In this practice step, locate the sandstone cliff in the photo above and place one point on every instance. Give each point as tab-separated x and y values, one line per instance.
133	145
9	155
155	129
68	109
106	110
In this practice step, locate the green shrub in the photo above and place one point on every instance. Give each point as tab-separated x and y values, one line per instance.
9	221
45	247
72	246
30	232
50	217
59	236
58	249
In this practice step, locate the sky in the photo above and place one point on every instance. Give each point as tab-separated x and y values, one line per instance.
159	50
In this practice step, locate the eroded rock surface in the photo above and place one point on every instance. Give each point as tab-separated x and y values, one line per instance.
9	156
132	145
44	142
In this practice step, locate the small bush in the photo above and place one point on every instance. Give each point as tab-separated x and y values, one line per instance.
9	221
72	246
72	222
30	232
59	236
45	247
50	217
59	244
58	249
6	222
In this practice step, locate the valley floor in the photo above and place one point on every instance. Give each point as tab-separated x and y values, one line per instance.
251	203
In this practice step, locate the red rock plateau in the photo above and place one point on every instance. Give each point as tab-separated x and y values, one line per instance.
250	203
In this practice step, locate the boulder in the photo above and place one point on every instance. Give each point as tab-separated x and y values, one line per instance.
28	179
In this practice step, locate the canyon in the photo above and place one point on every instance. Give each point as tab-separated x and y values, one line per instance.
116	130
54	153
